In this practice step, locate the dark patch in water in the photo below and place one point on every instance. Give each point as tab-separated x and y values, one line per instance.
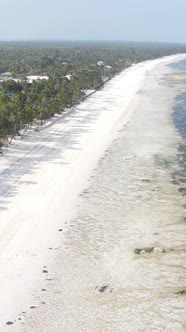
179	119
182	191
179	114
181	65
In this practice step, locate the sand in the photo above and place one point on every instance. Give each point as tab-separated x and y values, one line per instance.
42	177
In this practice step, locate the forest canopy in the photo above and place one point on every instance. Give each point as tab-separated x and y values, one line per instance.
69	69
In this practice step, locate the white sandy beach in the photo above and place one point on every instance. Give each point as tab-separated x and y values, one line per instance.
42	177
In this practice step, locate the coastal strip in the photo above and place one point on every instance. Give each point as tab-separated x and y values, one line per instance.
41	179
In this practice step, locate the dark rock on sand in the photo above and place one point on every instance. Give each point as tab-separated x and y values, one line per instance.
45	271
145	180
182	292
102	288
9	323
149	250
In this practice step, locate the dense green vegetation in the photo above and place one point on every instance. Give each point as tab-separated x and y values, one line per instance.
71	68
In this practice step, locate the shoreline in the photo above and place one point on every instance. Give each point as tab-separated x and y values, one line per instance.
51	172
131	203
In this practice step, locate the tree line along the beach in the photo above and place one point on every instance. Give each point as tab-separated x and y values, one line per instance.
71	69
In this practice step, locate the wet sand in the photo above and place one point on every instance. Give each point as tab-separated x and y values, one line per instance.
94	279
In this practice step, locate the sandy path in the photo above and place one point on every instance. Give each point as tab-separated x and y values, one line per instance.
41	178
